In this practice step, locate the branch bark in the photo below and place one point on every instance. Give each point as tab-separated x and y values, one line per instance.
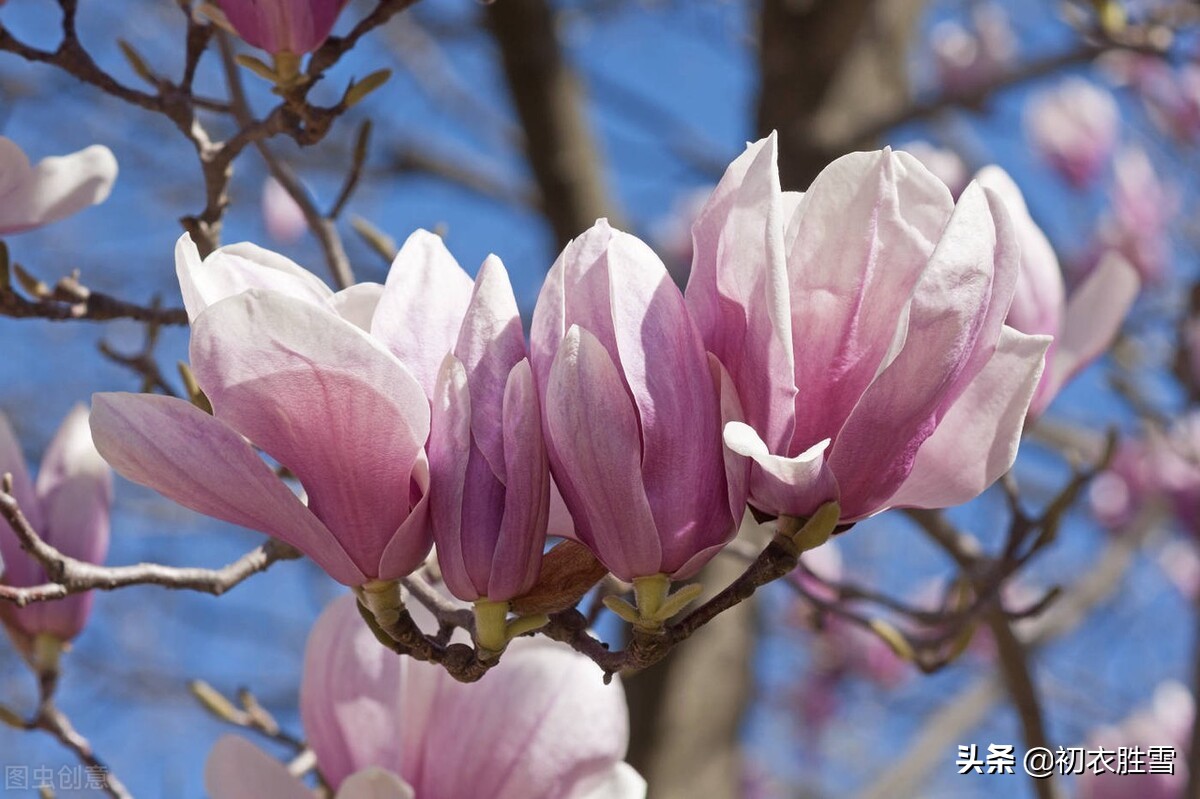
549	102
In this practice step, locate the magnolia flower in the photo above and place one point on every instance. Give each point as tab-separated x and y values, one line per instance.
281	213
862	323
1074	125
486	456
1159	465
1082	326
283	26
291	366
967	59
1143	208
1120	491
540	725
69	508
32	196
632	410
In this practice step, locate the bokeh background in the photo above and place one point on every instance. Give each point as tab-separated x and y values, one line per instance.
667	93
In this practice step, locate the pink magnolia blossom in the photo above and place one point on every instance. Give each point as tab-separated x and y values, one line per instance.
486	455
1116	494
632	410
282	215
540	725
968	59
1163	465
332	386
57	187
1143	209
283	26
1084	325
1074	126
69	508
862	323
1166	721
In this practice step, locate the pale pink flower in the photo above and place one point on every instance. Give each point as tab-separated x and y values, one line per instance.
632	410
970	58
282	215
283	26
1084	325
291	366
57	187
862	324
1074	125
1143	209
540	725
69	508
486	455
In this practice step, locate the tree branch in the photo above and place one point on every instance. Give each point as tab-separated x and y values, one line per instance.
68	575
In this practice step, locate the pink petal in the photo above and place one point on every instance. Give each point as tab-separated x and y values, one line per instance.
490	342
863	235
522	536
620	781
536	727
354	713
237	769
449	451
422	306
357	304
278	26
74	489
738	292
74	485
1092	319
59	186
237	268
201	463
533	728
737	471
1037	305
976	441
577	289
12	461
874	452
664	364
283	216
375	783
324	399
592	435
410	545
779	484
560	524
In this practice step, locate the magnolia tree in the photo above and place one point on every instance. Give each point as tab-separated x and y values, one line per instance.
555	489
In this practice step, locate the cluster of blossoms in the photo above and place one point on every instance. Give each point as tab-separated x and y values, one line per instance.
803	367
968	57
1075	125
874	342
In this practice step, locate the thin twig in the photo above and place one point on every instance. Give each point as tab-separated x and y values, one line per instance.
68	575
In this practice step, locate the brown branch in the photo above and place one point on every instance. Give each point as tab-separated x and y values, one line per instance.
68	575
322	226
1018	678
549	103
53	721
969	708
71	300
